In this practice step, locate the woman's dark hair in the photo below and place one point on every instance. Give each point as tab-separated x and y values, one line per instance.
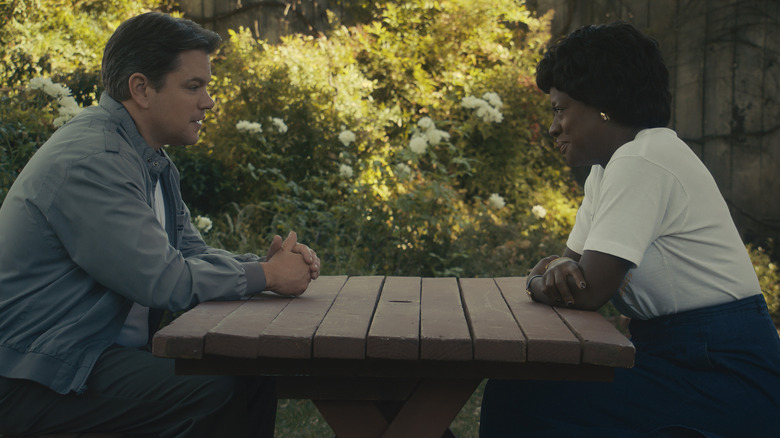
614	68
150	44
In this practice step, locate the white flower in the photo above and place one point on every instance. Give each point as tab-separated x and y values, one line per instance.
490	114
487	107
68	107
539	211
346	137
250	127
435	136
403	170
279	124
56	90
496	201
203	224
418	144
59	121
493	99
38	82
345	171
471	102
51	88
425	123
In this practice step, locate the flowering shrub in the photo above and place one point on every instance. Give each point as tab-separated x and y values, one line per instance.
50	56
401	134
67	105
496	201
768	277
410	144
202	223
488	108
250	127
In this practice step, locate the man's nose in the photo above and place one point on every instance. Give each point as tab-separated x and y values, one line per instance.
209	102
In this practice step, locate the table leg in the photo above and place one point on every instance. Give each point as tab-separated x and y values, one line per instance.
352	419
427	413
431	408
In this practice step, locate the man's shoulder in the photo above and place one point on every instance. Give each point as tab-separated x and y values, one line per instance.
93	131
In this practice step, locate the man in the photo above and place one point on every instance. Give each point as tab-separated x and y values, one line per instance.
95	241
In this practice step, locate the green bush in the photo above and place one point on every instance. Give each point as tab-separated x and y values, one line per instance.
768	277
410	144
46	39
398	133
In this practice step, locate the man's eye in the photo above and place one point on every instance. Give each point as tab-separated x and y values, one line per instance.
557	110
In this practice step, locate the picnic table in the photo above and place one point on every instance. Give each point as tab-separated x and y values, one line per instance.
356	345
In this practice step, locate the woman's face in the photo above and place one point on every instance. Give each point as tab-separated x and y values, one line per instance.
578	130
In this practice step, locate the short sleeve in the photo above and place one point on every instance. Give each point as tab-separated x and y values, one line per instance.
632	209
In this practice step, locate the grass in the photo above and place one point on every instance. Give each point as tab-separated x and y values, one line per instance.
301	419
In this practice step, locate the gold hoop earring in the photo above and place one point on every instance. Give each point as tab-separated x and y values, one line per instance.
604	116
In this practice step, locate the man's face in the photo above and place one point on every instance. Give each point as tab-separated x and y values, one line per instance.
179	107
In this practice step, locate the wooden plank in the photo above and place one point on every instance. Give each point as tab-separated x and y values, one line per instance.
718	74
291	334
748	168
750	34
237	334
395	330
494	330
689	64
662	25
185	336
343	332
431	408
444	331
770	213
602	343
345	388
388	368
353	418
718	81
548	338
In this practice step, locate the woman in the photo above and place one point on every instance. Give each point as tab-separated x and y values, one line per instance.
654	235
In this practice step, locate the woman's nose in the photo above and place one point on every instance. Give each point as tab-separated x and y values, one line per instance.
555	128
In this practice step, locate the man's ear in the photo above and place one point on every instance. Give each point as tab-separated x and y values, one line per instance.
139	89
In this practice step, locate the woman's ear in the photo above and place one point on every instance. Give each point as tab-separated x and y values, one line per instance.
139	87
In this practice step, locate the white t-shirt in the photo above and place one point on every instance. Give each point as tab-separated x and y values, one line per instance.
657	206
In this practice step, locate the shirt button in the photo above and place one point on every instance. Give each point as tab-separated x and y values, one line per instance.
156	163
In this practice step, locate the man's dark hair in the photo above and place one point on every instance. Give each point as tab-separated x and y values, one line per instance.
614	68
150	44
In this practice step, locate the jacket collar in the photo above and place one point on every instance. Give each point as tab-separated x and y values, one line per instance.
156	160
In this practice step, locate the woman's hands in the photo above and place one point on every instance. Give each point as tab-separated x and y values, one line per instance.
583	282
558	277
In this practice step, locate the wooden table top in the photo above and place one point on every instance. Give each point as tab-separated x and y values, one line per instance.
394	326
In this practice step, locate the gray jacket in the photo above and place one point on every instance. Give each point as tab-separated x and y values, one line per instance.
80	242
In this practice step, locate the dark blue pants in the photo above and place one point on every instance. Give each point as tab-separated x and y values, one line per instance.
711	372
